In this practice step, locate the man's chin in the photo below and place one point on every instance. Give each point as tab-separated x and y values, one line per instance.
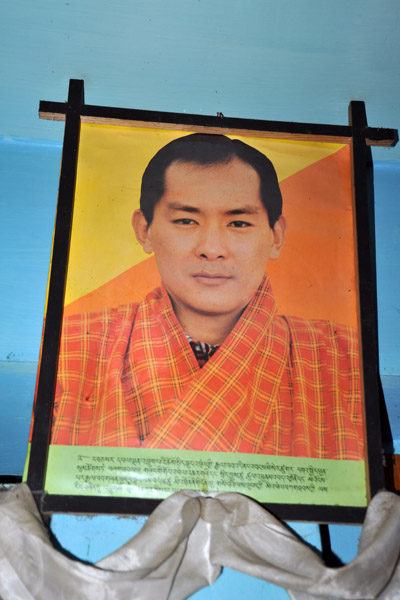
217	309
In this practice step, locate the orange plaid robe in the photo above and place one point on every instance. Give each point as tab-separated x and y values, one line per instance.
127	376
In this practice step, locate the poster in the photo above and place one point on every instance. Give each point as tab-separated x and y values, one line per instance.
277	412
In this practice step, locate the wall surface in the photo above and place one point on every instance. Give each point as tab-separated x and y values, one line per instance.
286	60
265	59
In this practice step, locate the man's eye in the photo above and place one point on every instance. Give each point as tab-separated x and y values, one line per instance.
184	221
239	224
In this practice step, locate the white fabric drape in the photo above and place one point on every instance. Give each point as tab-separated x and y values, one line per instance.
183	546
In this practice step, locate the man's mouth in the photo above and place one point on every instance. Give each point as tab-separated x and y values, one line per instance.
211	279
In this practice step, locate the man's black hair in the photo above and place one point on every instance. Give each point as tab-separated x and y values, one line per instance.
207	149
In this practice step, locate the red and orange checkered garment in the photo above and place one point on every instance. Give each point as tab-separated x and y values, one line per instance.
278	385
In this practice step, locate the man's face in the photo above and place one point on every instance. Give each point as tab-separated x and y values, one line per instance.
211	237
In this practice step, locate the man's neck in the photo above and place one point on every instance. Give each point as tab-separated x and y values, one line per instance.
211	329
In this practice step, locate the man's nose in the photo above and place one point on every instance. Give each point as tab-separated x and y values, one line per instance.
211	243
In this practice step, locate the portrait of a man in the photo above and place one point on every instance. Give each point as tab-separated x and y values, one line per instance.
205	361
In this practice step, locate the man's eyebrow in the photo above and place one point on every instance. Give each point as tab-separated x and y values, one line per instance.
247	209
183	207
244	210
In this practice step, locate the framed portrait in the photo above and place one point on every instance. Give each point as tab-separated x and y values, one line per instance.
211	315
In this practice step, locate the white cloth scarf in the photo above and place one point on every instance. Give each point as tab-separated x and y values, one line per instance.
183	546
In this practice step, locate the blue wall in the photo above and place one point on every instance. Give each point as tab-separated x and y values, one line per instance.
265	59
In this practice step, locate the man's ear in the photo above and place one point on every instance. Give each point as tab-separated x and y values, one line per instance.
141	229
279	233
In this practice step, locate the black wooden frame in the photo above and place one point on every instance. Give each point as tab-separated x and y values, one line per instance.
358	134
